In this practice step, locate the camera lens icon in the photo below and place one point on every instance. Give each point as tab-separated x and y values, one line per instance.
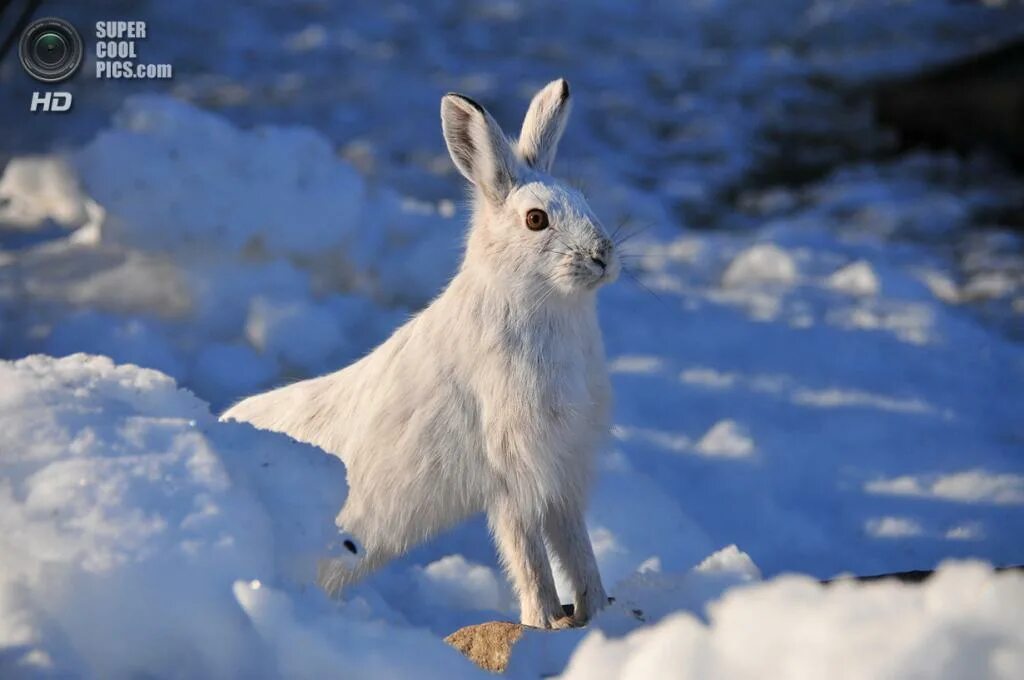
50	50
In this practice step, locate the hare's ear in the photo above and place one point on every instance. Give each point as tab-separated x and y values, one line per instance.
478	147
544	124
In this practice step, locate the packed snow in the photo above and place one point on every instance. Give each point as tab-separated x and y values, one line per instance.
956	625
816	351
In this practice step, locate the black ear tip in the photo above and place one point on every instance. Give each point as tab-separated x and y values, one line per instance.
565	89
465	99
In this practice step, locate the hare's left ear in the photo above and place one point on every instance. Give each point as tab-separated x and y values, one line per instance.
544	124
478	147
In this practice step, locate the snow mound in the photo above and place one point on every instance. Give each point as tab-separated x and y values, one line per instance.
200	185
453	581
289	194
34	189
272	325
893	527
128	518
218	236
958	624
727	439
857	278
731	560
968	486
761	263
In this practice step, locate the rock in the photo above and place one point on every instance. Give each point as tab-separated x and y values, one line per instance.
488	645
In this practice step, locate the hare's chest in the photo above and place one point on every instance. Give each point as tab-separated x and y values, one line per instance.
561	378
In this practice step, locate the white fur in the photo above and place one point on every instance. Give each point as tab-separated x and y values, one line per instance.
495	397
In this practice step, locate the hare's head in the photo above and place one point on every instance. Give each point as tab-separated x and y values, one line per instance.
529	228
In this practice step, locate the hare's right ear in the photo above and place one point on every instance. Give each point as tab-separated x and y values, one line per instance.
478	147
544	124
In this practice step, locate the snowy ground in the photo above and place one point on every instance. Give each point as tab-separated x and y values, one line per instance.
817	357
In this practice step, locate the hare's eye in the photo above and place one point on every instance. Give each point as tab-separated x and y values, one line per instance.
536	220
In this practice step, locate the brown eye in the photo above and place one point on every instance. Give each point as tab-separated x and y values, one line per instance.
536	220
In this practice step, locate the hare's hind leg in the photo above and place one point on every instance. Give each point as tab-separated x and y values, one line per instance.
566	531
520	542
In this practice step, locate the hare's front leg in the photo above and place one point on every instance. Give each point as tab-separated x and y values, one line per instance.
520	542
567	534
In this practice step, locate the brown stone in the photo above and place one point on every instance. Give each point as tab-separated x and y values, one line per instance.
488	645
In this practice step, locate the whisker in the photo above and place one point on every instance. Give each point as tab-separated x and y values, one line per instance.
541	300
625	270
618	227
567	246
535	195
634	234
547	248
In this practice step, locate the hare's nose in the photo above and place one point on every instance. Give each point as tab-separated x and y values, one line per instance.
600	254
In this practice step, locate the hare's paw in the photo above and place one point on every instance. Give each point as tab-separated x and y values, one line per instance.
563	623
593	600
552	617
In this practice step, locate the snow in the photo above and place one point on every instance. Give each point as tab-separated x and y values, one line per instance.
452	581
139	534
968	486
893	527
856	278
957	625
731	559
815	352
726	438
289	198
36	188
762	263
232	369
271	325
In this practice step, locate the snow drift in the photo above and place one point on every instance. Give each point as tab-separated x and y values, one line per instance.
959	624
139	535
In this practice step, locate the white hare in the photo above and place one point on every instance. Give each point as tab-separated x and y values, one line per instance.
496	396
